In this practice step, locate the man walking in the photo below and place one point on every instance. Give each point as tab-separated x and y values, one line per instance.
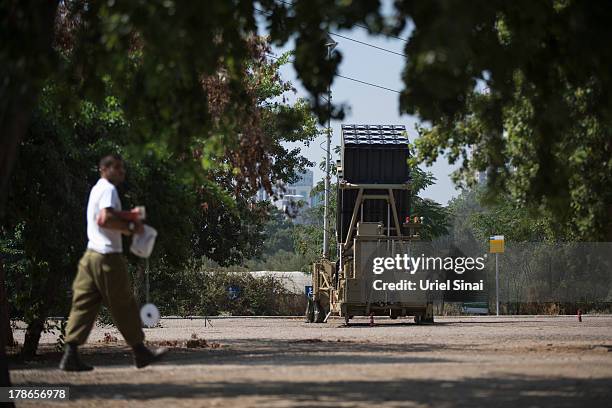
102	276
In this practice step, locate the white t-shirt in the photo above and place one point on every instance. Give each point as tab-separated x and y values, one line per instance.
103	240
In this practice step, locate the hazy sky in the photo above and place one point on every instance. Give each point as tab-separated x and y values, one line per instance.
369	105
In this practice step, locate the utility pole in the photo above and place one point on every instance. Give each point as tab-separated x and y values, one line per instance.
331	44
496	246
496	286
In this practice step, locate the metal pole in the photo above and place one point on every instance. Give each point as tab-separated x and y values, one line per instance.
330	46
326	208
146	280
496	286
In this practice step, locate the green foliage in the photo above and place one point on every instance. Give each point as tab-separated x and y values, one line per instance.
539	130
278	233
541	270
173	79
284	124
281	260
198	213
46	225
201	288
280	252
225	236
436	217
506	90
514	222
169	199
104	318
308	236
60	326
474	217
308	241
504	86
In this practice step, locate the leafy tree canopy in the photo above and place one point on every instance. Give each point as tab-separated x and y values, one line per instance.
539	130
518	89
184	73
206	213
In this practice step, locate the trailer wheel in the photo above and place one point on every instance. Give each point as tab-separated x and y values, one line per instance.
309	315
319	312
428	317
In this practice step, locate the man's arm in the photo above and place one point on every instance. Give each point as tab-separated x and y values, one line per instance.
116	220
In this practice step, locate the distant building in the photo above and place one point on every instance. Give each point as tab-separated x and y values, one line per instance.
295	198
303	186
482	177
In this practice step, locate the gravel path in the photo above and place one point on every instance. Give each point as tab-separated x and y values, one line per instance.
267	362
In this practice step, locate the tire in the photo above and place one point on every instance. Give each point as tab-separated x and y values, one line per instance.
319	313
309	315
428	317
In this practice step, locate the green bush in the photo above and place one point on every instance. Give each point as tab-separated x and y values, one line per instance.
200	288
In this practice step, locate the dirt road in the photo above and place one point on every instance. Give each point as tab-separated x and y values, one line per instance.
458	362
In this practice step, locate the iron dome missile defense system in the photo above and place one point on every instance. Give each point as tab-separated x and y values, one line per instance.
373	200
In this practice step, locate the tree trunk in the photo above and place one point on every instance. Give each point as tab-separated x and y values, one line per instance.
31	61
5	380
13	127
37	325
31	24
32	337
6	334
5	324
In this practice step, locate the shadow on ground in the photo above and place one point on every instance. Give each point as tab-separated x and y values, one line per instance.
499	392
253	353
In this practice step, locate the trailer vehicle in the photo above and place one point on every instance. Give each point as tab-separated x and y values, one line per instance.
372	220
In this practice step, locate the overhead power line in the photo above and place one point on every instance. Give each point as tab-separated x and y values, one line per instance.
368	83
367	44
351	79
348	38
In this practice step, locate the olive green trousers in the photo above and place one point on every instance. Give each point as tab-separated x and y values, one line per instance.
103	279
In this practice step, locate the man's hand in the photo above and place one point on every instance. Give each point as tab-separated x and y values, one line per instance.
133	215
115	220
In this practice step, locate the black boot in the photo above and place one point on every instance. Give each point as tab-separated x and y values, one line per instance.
144	356
71	360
